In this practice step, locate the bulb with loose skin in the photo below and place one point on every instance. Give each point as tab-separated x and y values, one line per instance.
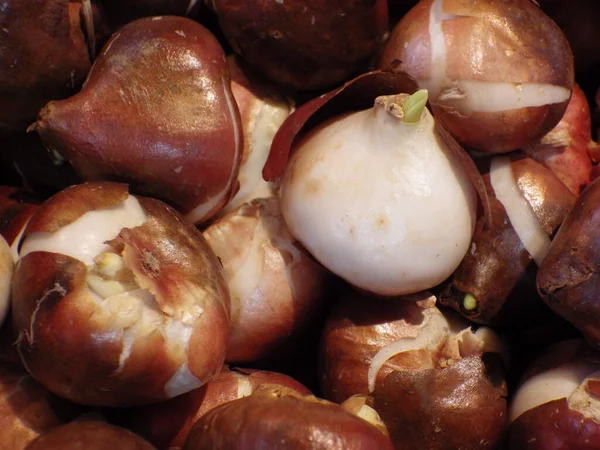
117	300
557	404
379	199
276	287
495	281
263	108
499	73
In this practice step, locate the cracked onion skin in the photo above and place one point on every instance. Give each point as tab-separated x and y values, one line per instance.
156	112
167	424
92	435
304	45
498	271
45	57
556	404
500	74
27	409
567	280
276	417
155	328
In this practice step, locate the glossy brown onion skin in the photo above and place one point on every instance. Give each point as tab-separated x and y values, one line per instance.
358	327
72	344
566	148
45	57
498	271
17	206
304	44
90	435
487	42
553	426
167	424
274	417
465	403
156	112
568	277
27	409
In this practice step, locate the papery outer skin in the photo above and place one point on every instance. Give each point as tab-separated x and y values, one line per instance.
92	435
511	52
16	208
27	409
45	57
379	245
73	345
276	287
566	148
169	126
567	279
274	417
497	270
263	108
304	45
459	406
167	424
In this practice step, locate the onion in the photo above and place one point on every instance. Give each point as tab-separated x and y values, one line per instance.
366	192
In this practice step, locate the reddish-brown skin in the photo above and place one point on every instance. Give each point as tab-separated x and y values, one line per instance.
499	272
462	406
27	409
166	425
538	53
566	148
91	435
354	334
288	293
568	277
304	44
275	417
45	57
553	426
69	344
156	112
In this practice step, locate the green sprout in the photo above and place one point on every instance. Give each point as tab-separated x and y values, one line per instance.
413	106
470	303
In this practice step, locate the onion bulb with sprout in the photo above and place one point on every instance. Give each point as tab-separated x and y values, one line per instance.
379	199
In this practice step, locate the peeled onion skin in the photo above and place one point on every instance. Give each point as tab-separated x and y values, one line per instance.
566	148
27	409
461	406
156	82
277	289
568	277
90	435
275	417
45	42
486	42
167	424
497	270
304	45
73	344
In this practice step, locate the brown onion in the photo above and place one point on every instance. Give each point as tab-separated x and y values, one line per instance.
117	300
